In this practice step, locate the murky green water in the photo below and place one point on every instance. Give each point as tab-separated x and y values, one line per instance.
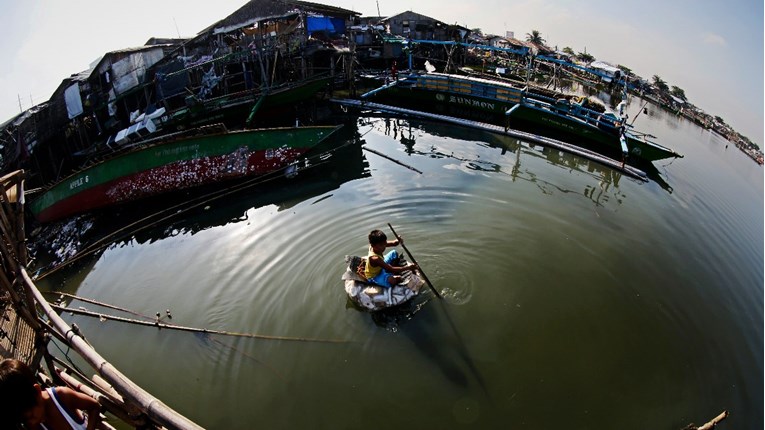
574	297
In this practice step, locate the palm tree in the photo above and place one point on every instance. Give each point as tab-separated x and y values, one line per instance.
585	57
535	37
659	83
678	92
626	70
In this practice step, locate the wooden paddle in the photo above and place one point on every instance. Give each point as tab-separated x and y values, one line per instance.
411	257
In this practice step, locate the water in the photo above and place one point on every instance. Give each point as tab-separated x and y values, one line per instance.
573	296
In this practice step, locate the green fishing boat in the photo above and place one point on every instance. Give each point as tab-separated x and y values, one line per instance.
510	105
174	162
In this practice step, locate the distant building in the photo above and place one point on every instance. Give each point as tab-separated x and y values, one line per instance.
413	25
607	72
498	42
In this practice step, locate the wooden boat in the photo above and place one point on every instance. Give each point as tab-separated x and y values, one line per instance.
374	297
507	104
173	162
237	108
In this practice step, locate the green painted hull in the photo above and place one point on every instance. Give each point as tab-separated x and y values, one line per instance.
234	110
576	129
175	162
482	100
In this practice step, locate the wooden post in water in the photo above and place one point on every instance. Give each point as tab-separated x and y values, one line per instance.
352	59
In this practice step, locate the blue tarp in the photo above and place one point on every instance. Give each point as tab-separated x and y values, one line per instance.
323	23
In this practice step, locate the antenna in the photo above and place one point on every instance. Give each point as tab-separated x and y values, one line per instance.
179	36
378	7
176	28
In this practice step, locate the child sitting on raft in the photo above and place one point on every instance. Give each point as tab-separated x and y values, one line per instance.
379	269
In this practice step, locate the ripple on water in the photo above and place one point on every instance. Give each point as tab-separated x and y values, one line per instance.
553	268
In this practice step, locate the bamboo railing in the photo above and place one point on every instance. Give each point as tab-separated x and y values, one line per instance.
20	298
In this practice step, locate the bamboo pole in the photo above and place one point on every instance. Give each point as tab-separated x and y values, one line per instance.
391	159
711	424
273	73
411	257
162	325
148	404
106	305
100	398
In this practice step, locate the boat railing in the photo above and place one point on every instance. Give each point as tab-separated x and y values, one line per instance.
573	110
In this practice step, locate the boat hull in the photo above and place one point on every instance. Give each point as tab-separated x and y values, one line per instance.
460	101
539	120
234	110
482	100
176	163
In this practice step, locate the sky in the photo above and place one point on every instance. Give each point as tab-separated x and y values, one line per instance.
712	50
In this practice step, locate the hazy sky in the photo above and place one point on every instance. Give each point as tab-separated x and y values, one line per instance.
713	50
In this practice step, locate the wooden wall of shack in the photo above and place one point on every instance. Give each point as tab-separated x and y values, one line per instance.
267	39
273	32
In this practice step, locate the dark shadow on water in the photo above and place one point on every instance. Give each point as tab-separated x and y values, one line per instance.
434	334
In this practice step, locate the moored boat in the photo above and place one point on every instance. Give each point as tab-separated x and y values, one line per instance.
510	105
173	162
374	297
476	94
572	119
239	108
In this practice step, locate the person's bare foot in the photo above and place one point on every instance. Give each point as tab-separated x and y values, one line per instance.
394	280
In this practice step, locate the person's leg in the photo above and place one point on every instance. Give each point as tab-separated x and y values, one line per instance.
391	257
381	279
385	278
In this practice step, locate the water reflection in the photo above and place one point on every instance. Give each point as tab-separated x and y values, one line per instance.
193	211
319	179
203	208
407	131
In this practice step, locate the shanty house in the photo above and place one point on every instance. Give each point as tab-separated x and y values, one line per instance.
412	25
